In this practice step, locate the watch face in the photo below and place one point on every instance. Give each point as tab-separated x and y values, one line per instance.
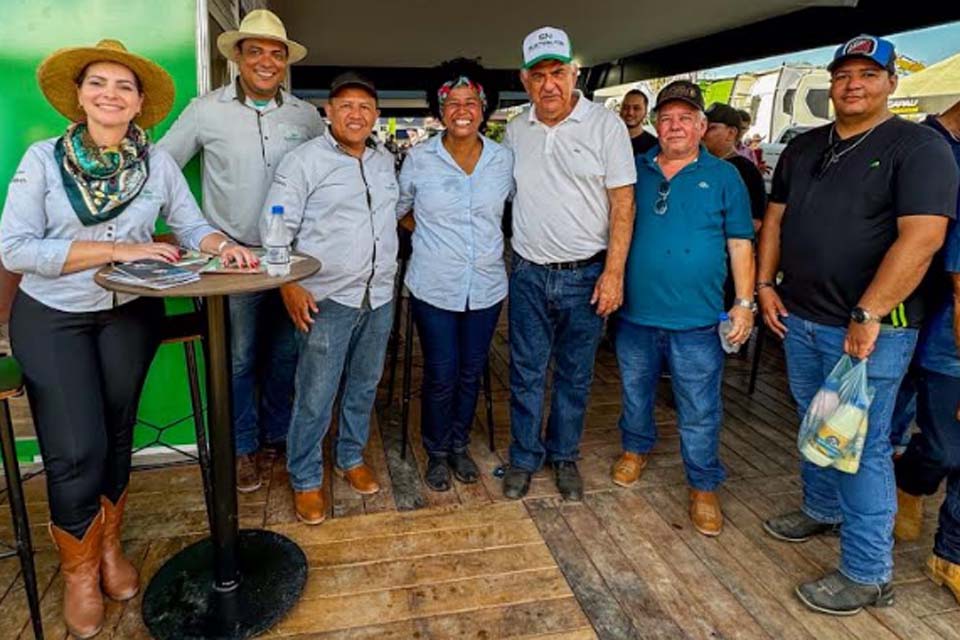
858	315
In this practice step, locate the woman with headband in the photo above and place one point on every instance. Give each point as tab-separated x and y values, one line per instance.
456	184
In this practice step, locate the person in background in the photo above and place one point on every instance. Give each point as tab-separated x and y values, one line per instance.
723	131
89	198
633	111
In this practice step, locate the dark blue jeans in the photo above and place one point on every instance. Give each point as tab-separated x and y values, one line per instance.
866	501
263	351
550	316
904	411
695	360
455	346
934	455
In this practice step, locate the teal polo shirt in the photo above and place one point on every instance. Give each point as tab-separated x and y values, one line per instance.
678	259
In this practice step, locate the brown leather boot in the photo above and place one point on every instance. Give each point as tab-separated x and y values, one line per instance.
909	522
80	566
311	506
118	576
627	469
361	479
705	512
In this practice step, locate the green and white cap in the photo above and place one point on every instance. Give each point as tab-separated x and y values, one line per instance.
546	43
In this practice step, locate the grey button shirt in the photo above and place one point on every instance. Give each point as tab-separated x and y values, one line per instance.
340	210
39	225
242	148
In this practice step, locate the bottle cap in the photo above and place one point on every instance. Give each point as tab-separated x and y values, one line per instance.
277	209
724	316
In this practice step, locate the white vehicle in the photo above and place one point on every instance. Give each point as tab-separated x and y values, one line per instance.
772	150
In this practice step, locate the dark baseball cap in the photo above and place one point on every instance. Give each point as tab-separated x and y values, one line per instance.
682	90
724	114
880	51
352	79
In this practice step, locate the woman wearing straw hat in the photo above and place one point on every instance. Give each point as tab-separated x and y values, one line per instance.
86	199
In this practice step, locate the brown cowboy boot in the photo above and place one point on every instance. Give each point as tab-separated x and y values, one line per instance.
80	566
118	576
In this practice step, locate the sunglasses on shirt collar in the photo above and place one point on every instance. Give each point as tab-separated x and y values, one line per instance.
663	192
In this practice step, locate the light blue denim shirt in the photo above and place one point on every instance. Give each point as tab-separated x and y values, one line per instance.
457	261
340	210
39	225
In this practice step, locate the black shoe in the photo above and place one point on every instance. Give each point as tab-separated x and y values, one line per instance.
568	479
797	526
463	467
437	476
838	595
516	483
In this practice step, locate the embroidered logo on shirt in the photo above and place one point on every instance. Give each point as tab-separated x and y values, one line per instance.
704	185
874	164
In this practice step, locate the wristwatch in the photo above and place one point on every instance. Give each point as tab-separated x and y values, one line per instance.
746	303
862	316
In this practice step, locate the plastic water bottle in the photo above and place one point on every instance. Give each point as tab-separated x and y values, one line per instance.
277	244
725	327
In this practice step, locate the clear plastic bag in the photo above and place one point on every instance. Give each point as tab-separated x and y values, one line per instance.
835	425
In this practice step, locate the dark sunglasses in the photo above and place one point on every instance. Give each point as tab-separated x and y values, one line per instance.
660	206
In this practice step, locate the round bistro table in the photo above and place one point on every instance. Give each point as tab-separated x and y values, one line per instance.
235	583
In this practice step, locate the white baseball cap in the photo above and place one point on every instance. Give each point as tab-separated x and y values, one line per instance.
546	43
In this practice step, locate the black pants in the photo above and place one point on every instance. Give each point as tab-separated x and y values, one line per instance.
84	373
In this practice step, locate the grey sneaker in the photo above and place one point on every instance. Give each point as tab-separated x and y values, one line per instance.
568	479
838	595
248	473
797	526
516	483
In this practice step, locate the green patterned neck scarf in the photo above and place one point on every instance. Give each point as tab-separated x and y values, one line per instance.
100	183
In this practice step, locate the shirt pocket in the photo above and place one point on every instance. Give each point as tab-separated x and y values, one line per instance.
292	134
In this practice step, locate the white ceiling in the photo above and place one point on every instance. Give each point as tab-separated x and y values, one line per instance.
418	33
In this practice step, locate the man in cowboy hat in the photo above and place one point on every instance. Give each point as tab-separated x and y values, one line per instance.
245	128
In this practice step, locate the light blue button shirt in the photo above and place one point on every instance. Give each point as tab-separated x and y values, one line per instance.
457	260
340	210
39	225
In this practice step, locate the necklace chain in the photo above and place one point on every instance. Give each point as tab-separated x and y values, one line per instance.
834	156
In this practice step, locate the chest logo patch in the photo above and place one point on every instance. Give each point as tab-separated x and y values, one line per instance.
874	164
704	185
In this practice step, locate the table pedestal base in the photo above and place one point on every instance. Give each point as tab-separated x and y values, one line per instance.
181	603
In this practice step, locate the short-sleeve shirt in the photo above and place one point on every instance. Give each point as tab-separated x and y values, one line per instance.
841	217
561	211
643	142
457	261
39	225
678	259
937	349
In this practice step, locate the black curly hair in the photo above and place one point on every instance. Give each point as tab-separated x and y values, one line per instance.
453	69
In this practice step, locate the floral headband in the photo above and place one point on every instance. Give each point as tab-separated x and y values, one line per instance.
463	81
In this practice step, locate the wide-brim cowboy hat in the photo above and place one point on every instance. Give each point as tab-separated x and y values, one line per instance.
58	75
264	25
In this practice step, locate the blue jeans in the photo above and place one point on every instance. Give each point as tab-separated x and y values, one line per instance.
455	346
263	353
695	360
550	315
865	502
345	347
934	455
904	410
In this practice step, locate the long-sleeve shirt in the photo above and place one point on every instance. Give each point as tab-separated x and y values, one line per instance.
340	209
457	261
242	148
39	225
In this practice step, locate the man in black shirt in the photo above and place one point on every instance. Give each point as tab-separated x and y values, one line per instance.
857	211
633	111
723	131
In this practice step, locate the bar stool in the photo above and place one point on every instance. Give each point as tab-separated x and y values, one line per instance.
11	385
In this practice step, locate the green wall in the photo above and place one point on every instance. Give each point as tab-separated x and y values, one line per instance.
162	31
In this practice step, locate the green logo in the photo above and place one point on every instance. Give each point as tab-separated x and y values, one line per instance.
874	164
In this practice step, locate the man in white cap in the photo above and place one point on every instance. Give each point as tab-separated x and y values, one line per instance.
245	128
573	219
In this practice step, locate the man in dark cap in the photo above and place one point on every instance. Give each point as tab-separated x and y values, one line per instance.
723	131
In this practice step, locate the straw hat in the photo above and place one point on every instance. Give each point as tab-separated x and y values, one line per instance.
58	75
263	24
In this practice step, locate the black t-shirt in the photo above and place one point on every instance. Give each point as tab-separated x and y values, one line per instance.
841	216
643	143
754	180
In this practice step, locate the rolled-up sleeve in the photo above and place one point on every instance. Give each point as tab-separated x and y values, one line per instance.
24	247
182	140
408	189
180	210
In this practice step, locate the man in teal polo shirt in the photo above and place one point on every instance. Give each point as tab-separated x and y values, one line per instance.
692	211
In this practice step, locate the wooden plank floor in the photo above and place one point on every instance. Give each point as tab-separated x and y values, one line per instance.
623	564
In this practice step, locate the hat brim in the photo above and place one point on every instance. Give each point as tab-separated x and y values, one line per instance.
227	45
862	56
57	76
692	103
548	56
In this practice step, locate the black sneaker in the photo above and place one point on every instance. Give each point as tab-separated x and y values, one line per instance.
516	483
437	476
797	526
464	468
838	595
568	479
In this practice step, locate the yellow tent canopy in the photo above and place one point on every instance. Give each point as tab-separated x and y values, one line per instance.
942	78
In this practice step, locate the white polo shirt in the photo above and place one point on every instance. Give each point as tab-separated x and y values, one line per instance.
561	211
